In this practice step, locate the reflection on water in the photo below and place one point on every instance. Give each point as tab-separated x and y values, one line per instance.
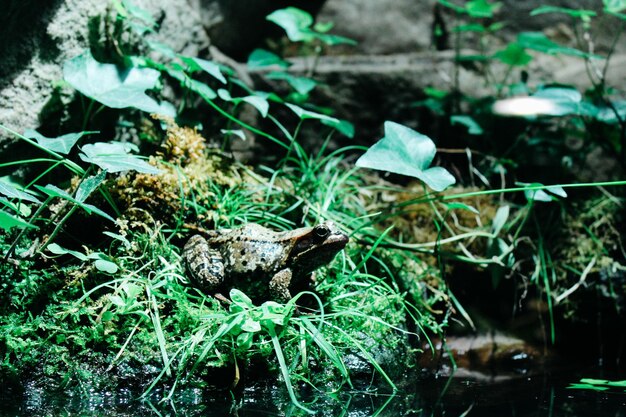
545	395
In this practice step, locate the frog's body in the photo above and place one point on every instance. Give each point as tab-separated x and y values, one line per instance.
252	253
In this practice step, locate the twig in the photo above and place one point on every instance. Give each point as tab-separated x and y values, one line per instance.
580	282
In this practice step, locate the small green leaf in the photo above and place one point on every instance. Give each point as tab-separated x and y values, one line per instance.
576	13
115	157
199	88
236	132
499	220
54	191
307	114
107	316
240	299
62	144
481	8
259	103
537	41
461	206
514	55
209	67
473	128
8	221
106	266
470	27
452	6
8	189
296	23
332	40
112	85
614	6
121	238
260	58
564	101
342	126
244	340
406	152
251	325
58	250
542	194
89	185
302	85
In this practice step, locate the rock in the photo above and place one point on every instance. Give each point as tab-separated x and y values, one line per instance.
249	17
58	30
404	26
490	356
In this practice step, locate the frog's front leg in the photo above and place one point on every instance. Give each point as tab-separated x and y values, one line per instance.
205	264
279	285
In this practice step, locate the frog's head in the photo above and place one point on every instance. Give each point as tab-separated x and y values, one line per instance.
316	246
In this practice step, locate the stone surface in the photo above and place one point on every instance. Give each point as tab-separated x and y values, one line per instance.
404	26
58	30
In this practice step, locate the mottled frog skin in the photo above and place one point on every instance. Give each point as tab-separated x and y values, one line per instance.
279	261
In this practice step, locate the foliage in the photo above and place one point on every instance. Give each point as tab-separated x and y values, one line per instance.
404	151
598	385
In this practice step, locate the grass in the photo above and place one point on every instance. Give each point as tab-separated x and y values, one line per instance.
113	307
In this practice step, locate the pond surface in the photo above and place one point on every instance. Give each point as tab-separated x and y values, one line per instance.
543	395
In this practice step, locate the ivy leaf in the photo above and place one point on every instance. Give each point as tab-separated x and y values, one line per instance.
537	41
8	221
514	55
62	144
296	23
257	101
9	190
564	100
114	86
209	67
89	185
542	194
234	132
404	151
307	114
461	206
342	126
115	157
473	128
54	191
59	250
260	58
576	13
482	8
614	6
303	85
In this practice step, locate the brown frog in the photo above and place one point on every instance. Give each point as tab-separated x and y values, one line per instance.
253	255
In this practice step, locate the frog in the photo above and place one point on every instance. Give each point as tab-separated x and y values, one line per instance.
275	262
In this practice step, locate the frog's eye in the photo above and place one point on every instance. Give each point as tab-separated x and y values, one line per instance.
321	231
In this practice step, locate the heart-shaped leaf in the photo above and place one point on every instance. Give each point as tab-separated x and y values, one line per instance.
303	85
260	58
8	221
62	144
114	86
54	191
296	23
115	157
8	189
407	152
209	67
89	185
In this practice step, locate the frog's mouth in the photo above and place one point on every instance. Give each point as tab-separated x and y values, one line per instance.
314	255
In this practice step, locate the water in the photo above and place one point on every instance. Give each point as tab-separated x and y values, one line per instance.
544	395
